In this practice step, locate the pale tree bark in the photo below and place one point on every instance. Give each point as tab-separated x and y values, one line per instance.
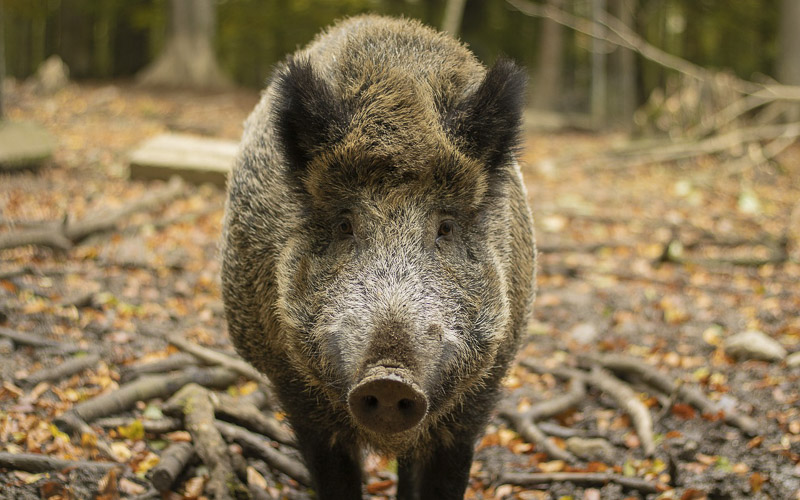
453	14
550	64
789	49
622	95
188	58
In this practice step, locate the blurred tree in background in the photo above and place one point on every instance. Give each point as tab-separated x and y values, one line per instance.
119	38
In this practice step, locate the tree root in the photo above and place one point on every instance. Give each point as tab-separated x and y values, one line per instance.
525	422
241	412
198	416
691	395
272	457
65	234
64	370
531	479
621	393
172	462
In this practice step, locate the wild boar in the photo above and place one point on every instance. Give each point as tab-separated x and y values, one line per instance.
378	255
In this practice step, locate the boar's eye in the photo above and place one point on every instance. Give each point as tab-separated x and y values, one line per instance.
344	227
446	228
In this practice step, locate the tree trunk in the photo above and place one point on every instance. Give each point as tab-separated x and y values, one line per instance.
75	37
453	14
789	49
622	99
599	75
188	59
550	63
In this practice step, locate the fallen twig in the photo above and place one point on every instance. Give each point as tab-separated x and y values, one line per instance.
179	361
560	404
30	462
218	358
534	478
215	357
157	426
289	466
80	430
37	341
63	370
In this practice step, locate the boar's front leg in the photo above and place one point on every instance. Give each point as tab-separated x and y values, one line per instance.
335	469
443	476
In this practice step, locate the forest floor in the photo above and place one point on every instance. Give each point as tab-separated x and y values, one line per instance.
645	267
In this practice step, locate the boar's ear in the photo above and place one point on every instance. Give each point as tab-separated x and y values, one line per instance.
488	120
308	114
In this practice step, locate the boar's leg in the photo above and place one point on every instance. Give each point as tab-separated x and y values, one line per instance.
335	469
443	476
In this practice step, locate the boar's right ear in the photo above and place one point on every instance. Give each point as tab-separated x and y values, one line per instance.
488	120
308	114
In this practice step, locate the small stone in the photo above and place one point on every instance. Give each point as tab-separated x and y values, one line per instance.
592	449
584	333
793	360
754	344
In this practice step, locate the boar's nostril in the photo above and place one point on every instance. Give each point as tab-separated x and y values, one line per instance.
371	402
387	404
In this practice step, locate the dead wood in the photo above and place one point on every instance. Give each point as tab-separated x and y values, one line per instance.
31	339
663	383
66	369
243	413
63	235
622	394
612	30
673	149
146	388
157	426
172	462
218	358
629	402
274	458
529	431
198	416
31	462
525	421
215	357
534	478
179	361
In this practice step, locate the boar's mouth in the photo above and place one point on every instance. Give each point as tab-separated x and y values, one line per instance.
387	401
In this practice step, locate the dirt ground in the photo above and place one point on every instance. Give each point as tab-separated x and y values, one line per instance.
662	264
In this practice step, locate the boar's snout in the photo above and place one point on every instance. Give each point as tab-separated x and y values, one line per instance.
387	401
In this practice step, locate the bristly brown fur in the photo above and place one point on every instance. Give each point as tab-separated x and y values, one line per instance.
333	261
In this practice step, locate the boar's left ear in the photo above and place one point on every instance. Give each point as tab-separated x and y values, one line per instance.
308	113
488	120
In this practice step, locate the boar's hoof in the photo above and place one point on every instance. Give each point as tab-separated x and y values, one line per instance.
387	402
